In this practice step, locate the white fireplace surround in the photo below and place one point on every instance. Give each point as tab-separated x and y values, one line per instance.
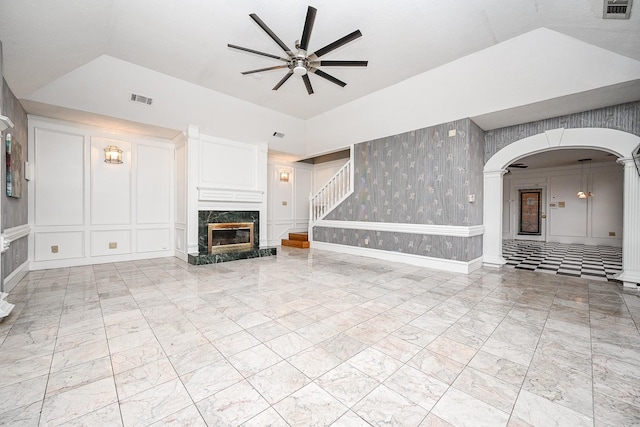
228	176
211	194
224	199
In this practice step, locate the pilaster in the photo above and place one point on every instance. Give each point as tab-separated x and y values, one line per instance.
492	206
630	275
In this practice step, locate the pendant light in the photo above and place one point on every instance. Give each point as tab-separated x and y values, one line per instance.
582	194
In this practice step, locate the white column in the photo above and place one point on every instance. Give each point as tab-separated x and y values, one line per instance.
193	155
492	218
630	275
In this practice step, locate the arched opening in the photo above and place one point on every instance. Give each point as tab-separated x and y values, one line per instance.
619	143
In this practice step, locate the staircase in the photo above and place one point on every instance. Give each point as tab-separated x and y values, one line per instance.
297	240
334	192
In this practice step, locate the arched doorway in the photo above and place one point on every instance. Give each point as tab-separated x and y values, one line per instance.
616	142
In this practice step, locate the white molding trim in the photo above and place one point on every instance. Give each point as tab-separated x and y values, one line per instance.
12	234
463	267
16	275
211	194
430	229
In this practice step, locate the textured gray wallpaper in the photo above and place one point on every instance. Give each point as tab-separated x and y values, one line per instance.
14	211
418	177
624	117
445	247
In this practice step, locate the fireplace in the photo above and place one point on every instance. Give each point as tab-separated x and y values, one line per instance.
228	236
220	219
231	236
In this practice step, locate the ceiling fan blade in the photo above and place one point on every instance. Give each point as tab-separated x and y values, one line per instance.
284	79
328	77
271	34
336	44
257	52
308	27
344	63
307	83
277	67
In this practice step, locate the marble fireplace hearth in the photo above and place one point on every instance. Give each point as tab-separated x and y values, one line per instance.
221	217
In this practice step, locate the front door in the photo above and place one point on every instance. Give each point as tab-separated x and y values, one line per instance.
530	215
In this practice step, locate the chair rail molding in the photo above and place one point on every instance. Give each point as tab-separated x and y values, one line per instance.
12	234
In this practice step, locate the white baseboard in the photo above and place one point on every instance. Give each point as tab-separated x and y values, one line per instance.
464	267
16	275
182	256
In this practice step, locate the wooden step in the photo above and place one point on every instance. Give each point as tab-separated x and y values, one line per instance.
299	236
296	243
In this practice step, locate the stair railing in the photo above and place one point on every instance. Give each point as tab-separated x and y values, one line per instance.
339	187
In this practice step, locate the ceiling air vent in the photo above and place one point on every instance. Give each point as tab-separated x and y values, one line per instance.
141	99
617	9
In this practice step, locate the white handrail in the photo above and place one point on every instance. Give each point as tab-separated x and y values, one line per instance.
339	187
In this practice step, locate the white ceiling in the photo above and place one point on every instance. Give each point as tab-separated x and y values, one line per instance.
46	40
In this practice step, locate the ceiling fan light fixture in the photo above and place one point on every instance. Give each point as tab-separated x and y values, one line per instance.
299	68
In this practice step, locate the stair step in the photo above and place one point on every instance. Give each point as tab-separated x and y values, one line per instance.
296	243
299	236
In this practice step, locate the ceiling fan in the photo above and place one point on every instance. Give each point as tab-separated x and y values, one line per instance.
300	62
515	166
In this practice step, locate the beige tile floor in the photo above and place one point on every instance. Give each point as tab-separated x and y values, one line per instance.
312	338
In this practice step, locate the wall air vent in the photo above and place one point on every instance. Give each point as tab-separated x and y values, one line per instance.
141	99
617	9
278	134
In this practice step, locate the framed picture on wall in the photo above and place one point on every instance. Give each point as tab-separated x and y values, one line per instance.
14	167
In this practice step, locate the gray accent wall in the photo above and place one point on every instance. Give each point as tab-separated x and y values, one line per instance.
419	177
624	117
444	247
14	211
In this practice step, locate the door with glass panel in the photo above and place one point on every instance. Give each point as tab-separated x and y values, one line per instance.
531	225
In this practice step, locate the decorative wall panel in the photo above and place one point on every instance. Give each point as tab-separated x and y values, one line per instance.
110	184
154	184
59	183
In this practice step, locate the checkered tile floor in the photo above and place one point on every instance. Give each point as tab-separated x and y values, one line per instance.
591	262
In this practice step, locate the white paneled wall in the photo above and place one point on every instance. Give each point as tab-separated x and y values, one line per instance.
110	184
180	232
288	204
154	184
595	221
85	211
60	193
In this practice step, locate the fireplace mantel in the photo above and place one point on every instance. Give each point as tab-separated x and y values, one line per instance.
213	194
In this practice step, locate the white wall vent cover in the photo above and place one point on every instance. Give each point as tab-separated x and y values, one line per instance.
141	99
617	9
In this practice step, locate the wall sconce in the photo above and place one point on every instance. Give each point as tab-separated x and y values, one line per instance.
284	176
112	154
